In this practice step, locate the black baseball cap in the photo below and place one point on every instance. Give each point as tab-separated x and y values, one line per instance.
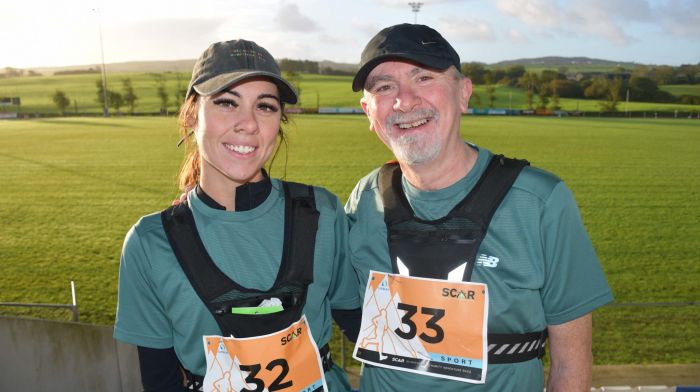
225	63
414	42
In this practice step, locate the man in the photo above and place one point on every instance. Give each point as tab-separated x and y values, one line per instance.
532	261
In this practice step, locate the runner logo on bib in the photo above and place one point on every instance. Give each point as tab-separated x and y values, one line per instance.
427	326
286	361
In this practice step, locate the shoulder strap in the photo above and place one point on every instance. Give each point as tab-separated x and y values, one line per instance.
205	277
396	206
488	193
481	202
301	225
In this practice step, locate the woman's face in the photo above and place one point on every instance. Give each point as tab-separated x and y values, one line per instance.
236	132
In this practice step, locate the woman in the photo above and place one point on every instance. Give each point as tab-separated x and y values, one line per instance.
246	255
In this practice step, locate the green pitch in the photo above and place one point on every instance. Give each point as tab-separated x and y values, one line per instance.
72	188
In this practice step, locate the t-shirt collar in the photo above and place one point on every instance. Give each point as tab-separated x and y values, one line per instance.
248	195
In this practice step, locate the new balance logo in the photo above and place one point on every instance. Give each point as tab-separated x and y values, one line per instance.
487	261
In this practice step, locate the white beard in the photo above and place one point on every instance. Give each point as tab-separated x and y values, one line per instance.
415	149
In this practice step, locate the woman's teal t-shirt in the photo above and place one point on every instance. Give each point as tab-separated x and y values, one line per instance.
158	308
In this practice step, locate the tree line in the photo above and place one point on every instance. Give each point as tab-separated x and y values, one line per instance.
544	89
126	97
310	67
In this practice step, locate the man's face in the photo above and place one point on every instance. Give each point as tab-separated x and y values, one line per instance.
414	110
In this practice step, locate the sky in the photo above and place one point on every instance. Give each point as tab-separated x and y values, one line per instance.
50	33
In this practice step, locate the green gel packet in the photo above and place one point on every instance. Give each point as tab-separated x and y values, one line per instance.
257	310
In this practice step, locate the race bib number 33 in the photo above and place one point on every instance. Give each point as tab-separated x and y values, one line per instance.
427	326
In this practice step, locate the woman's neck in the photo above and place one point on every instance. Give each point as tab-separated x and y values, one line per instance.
222	189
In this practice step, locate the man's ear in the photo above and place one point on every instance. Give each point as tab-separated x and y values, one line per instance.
363	103
465	92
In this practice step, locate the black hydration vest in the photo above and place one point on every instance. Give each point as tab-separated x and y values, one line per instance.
220	293
449	245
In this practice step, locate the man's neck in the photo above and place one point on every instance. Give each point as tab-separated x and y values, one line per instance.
441	173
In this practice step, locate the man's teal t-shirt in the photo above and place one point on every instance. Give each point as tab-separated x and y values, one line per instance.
537	260
158	308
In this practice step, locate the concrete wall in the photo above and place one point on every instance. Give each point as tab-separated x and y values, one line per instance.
42	355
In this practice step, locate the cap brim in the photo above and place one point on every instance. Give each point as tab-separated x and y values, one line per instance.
219	83
358	83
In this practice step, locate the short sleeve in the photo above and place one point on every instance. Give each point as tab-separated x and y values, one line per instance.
141	318
574	281
344	290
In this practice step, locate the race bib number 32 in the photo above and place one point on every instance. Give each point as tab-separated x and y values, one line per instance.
427	326
286	361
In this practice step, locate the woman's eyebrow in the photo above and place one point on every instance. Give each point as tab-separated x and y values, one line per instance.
273	96
232	92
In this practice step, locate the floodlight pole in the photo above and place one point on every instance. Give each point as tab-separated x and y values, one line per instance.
415	7
105	108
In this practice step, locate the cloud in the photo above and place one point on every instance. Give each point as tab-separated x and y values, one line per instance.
404	3
467	29
172	36
289	18
364	27
535	13
580	18
679	18
516	36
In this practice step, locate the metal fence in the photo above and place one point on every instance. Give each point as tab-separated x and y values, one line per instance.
73	307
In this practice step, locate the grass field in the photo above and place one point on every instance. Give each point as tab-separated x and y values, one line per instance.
316	91
73	187
682	89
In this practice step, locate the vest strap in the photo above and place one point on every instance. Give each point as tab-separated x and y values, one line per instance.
478	208
207	279
511	348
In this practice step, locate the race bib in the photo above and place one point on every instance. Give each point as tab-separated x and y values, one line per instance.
428	326
286	361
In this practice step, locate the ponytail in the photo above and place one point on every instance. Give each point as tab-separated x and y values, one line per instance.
190	169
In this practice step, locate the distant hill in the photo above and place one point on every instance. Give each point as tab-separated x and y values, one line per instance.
131	66
552	62
163	66
556	61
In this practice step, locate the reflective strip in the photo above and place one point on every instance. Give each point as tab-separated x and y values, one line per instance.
502	349
525	347
533	345
512	350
